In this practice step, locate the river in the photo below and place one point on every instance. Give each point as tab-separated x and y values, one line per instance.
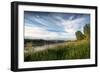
44	47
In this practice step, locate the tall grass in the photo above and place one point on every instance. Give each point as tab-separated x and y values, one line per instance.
72	50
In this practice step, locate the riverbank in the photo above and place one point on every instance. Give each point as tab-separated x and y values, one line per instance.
70	50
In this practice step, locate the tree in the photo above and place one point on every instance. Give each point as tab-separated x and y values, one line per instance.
79	35
87	30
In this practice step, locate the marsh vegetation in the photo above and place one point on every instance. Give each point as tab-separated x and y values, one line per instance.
44	50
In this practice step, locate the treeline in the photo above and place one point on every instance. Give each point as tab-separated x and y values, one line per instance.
85	34
40	42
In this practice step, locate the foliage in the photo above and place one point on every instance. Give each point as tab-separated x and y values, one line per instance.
79	35
72	50
87	30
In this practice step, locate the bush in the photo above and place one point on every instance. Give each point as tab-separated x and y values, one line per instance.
79	35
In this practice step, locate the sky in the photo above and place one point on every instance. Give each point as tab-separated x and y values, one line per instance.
53	25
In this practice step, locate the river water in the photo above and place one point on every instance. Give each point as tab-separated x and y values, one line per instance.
44	47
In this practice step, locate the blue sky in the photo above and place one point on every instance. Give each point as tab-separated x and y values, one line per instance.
53	25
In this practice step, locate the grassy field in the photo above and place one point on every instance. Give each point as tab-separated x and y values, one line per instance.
72	50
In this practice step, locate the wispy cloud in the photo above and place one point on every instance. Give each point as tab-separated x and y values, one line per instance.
40	33
47	25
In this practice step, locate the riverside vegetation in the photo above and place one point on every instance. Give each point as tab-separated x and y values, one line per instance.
77	49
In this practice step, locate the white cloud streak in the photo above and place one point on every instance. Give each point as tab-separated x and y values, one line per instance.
39	33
